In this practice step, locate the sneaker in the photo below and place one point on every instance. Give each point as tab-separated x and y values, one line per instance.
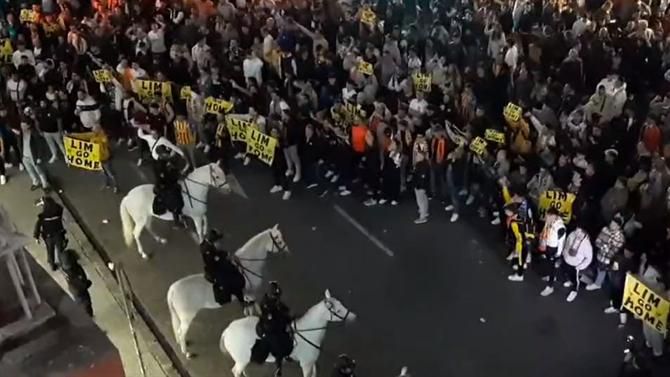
38	161
47	189
311	186
421	220
286	196
495	221
610	310
115	189
463	192
328	174
571	296
370	202
547	291
275	189
449	208
342	188
238	156
324	193
34	187
545	278
289	172
394	202
131	146
200	145
454	217
510	256
297	178
592	287
471	199
139	162
383	201
345	192
568	284
52	159
3	180
8	165
247	160
334	178
21	167
515	277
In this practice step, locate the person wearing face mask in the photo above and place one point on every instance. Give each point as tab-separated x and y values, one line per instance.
609	243
552	240
577	256
48	123
651	276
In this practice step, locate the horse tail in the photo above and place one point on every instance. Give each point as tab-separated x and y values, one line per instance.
126	222
174	316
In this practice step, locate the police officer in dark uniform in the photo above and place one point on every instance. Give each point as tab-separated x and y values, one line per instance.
221	271
345	366
168	190
49	227
273	328
77	281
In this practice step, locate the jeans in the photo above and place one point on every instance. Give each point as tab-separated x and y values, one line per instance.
653	338
572	274
292	160
108	174
600	277
422	202
452	190
54	142
35	172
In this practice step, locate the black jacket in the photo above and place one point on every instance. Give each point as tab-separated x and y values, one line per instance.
50	221
422	175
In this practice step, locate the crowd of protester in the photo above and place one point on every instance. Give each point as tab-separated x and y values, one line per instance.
343	94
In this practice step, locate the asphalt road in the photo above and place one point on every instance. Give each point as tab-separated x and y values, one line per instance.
437	299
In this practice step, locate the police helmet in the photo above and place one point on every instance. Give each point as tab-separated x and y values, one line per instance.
345	364
275	290
213	235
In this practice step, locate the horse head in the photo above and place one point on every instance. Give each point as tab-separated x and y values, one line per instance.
336	310
218	178
276	244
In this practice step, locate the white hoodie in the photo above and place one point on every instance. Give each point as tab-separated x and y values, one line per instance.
578	240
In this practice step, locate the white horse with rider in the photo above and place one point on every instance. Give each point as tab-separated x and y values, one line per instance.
308	332
136	208
188	295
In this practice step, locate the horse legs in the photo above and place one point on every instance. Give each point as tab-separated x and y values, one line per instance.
153	233
199	228
137	231
308	369
238	369
183	331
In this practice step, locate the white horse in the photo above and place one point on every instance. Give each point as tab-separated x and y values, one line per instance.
137	206
188	295
239	337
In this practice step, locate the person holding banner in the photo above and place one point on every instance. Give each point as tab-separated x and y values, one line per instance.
651	276
622	264
99	137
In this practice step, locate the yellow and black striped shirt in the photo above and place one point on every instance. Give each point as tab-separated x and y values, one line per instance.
183	133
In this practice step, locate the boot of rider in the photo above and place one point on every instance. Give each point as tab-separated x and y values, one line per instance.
178	223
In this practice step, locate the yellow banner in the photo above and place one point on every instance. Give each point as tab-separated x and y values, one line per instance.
495	136
28	15
369	17
185	92
149	90
217	106
512	112
261	145
560	200
51	28
365	68
82	154
478	145
422	82
237	128
351	112
645	304
102	76
6	51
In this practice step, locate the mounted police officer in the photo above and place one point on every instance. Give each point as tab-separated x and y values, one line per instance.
49	227
77	281
220	270
345	366
167	188
273	329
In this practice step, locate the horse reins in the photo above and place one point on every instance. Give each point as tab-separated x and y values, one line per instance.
238	261
329	306
211	183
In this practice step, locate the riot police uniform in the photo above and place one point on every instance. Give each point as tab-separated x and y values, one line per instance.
345	367
168	190
49	227
226	278
77	281
273	329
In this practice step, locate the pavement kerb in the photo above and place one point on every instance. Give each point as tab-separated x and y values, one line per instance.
151	339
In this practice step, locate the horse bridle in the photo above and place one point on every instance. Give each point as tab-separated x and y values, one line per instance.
211	183
275	243
329	306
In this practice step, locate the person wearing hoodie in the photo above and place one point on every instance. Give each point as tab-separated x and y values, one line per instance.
552	240
609	243
541	182
577	256
651	276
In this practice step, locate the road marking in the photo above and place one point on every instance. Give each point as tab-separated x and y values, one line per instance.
236	186
364	231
